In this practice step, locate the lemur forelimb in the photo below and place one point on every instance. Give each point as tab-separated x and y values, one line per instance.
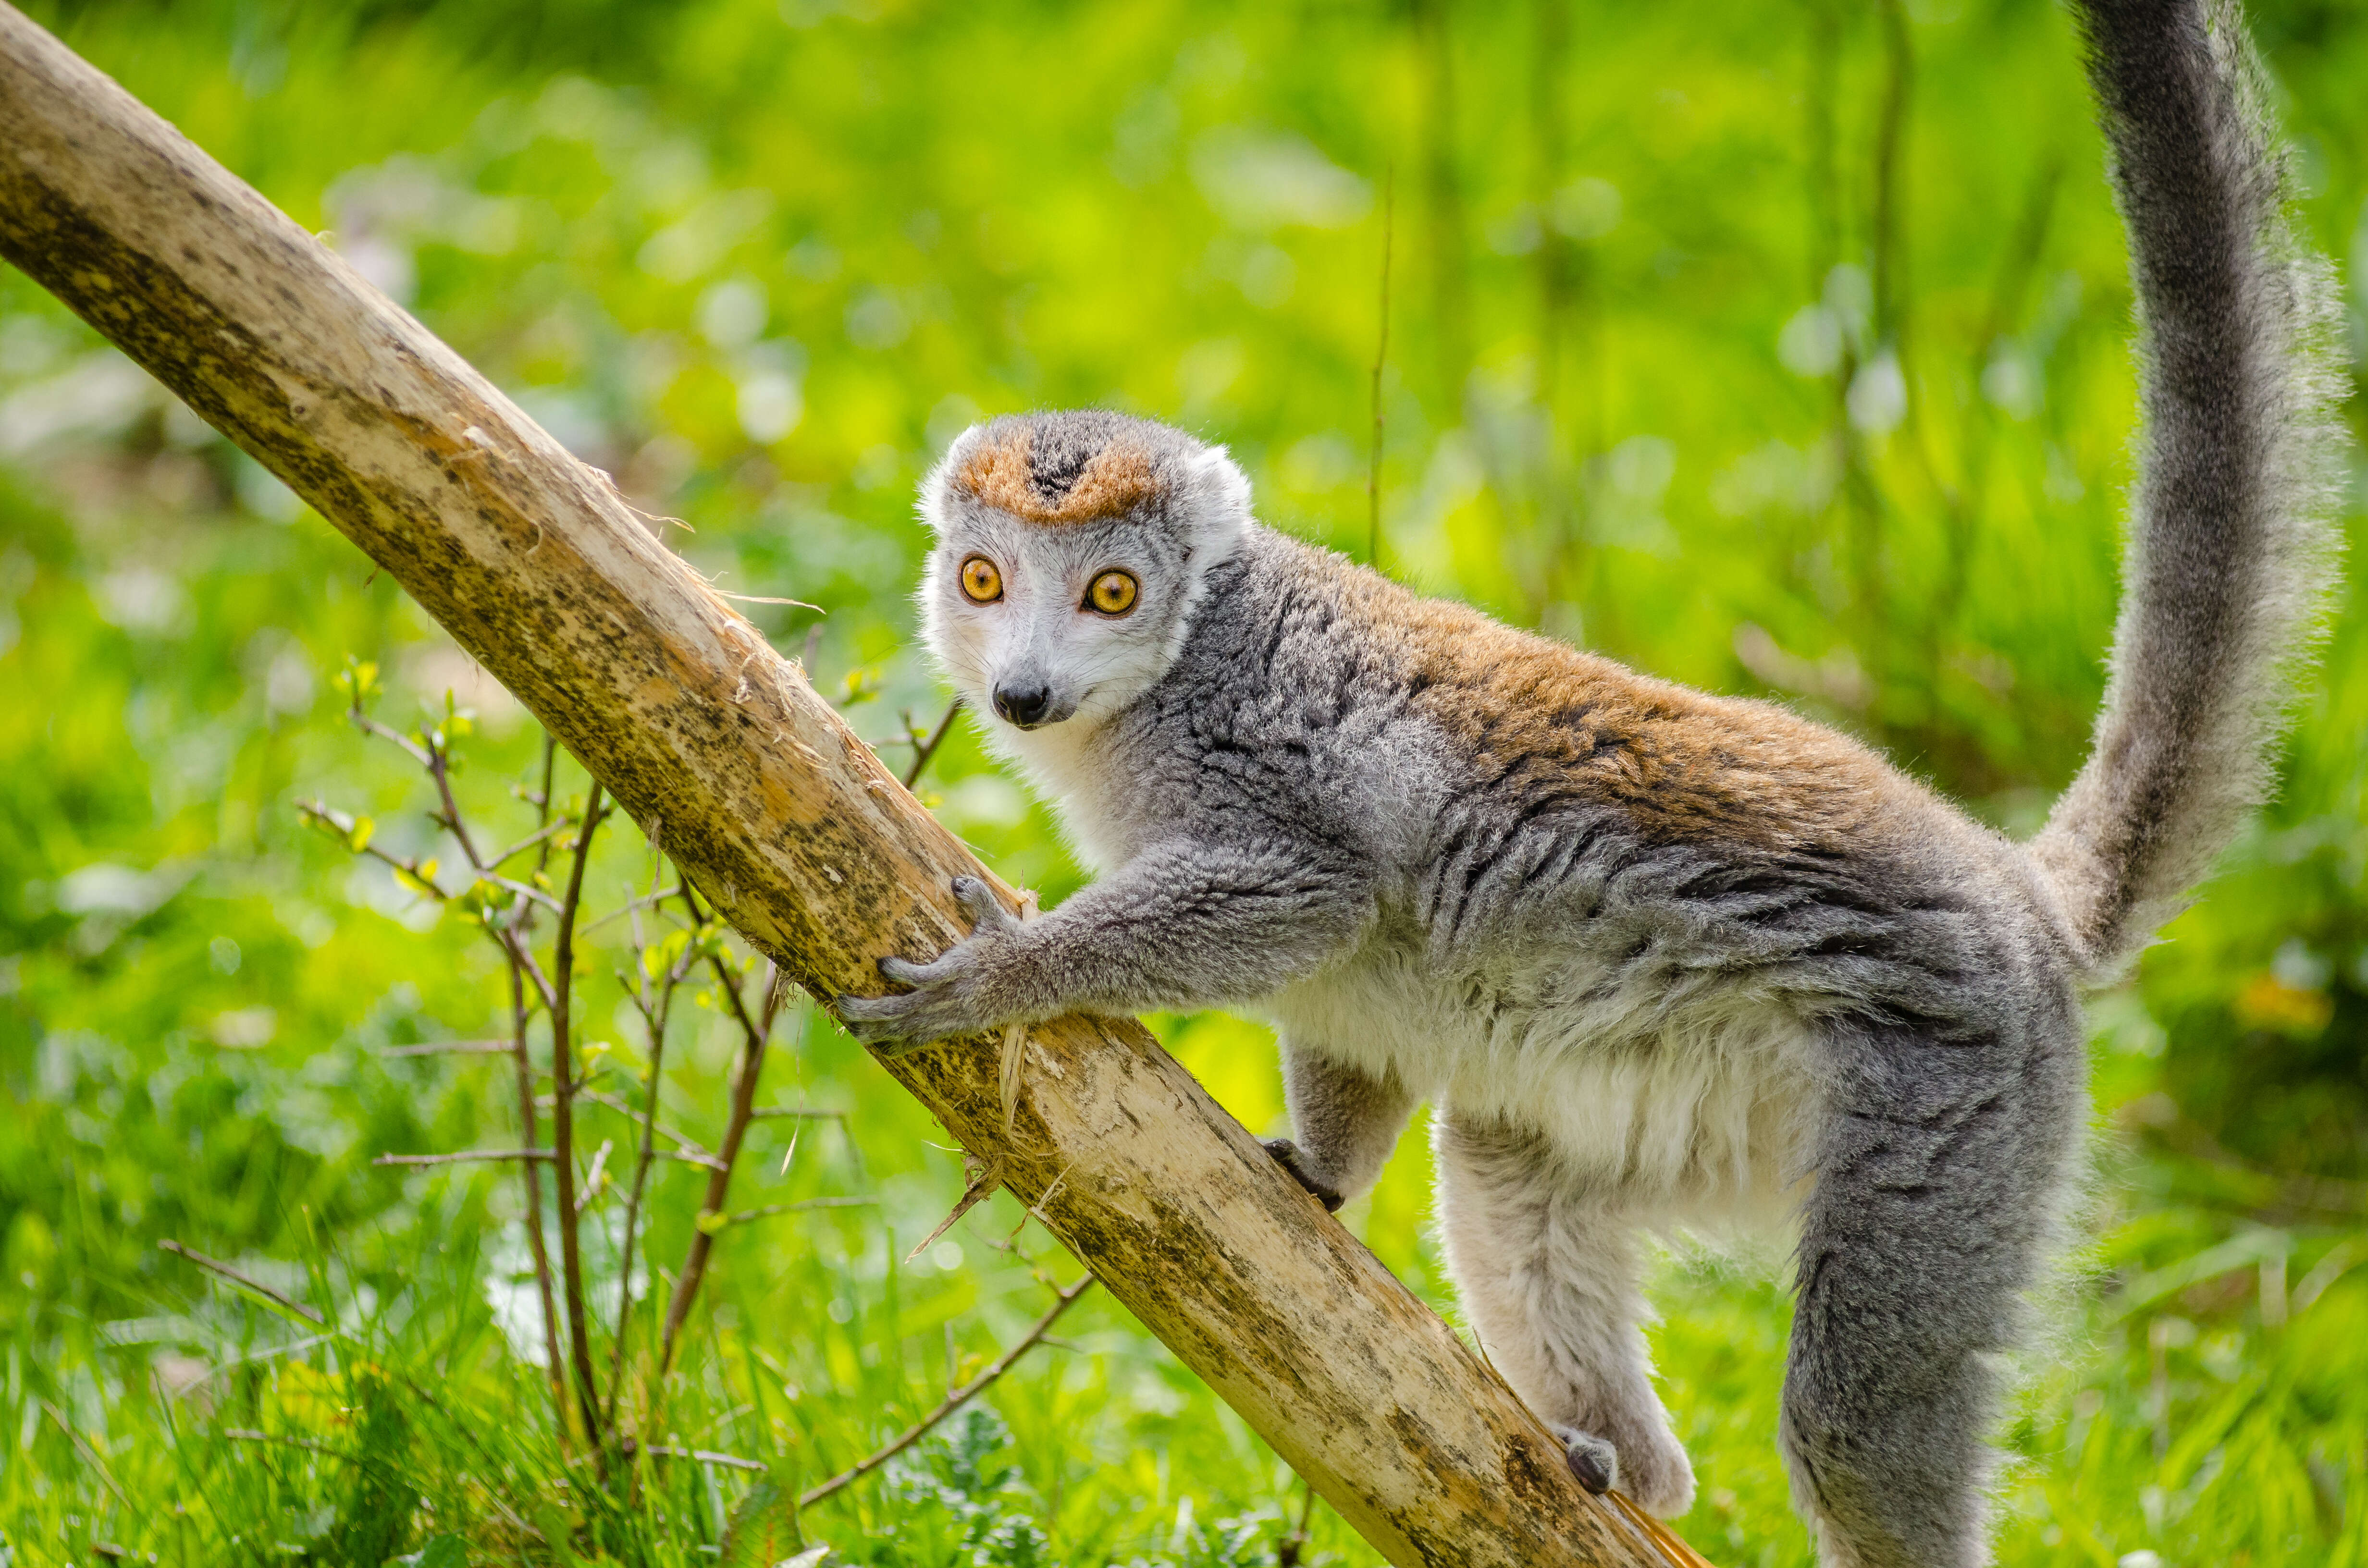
1657	958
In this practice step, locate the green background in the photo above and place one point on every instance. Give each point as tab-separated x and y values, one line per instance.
1781	349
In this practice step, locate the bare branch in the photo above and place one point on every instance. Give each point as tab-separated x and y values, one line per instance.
511	941
90	1455
370	726
800	1207
464	1156
592	1177
654	999
719	1182
217	1266
952	1403
690	1148
562	1118
625	910
540	835
450	1047
926	748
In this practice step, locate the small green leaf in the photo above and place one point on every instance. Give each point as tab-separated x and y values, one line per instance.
764	1529
359	839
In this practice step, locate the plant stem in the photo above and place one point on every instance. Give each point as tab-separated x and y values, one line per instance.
952	1402
531	1175
562	1118
719	1181
655	1010
924	750
227	1272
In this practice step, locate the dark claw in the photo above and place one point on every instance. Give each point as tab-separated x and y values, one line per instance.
1286	1154
1593	1462
978	901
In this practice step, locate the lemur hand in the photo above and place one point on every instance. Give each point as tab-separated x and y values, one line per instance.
952	995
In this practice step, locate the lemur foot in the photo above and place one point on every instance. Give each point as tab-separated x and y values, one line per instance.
1654	1471
1286	1154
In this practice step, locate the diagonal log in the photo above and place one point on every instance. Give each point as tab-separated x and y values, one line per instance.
724	755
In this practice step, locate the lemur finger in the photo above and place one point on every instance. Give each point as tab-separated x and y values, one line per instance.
854	1010
978	901
904	972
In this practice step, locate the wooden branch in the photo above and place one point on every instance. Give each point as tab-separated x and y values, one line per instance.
770	806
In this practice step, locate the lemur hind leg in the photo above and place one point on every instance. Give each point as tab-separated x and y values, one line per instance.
1939	1173
1344	1124
1546	1271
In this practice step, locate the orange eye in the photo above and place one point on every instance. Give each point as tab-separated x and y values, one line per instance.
981	583
1112	593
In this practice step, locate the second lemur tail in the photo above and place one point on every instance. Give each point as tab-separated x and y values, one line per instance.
2231	545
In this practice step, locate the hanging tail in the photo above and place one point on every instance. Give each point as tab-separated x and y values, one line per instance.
2232	545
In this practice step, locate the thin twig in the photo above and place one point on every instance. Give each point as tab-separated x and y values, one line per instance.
450	1047
688	1148
464	1156
768	1113
623	910
770	1209
510	939
592	1177
543	799
719	1182
1287	1550
90	1455
952	1402
925	749
563	1117
539	835
419	872
652	997
370	726
234	1277
439	769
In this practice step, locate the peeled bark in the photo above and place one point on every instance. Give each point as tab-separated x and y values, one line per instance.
723	754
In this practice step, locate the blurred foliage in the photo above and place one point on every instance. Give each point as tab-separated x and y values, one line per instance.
1777	349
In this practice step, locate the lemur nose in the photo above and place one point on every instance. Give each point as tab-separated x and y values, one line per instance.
1023	705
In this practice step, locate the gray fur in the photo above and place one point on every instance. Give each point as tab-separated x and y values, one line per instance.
1659	960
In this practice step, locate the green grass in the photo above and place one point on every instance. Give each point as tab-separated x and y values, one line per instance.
759	260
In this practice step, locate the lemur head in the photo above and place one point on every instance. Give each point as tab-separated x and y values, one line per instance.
1071	550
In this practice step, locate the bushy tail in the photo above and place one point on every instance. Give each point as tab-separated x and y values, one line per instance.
2232	543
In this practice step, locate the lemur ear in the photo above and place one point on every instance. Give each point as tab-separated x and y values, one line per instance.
1217	503
934	502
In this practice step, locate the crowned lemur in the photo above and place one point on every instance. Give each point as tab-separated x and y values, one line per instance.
1657	958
